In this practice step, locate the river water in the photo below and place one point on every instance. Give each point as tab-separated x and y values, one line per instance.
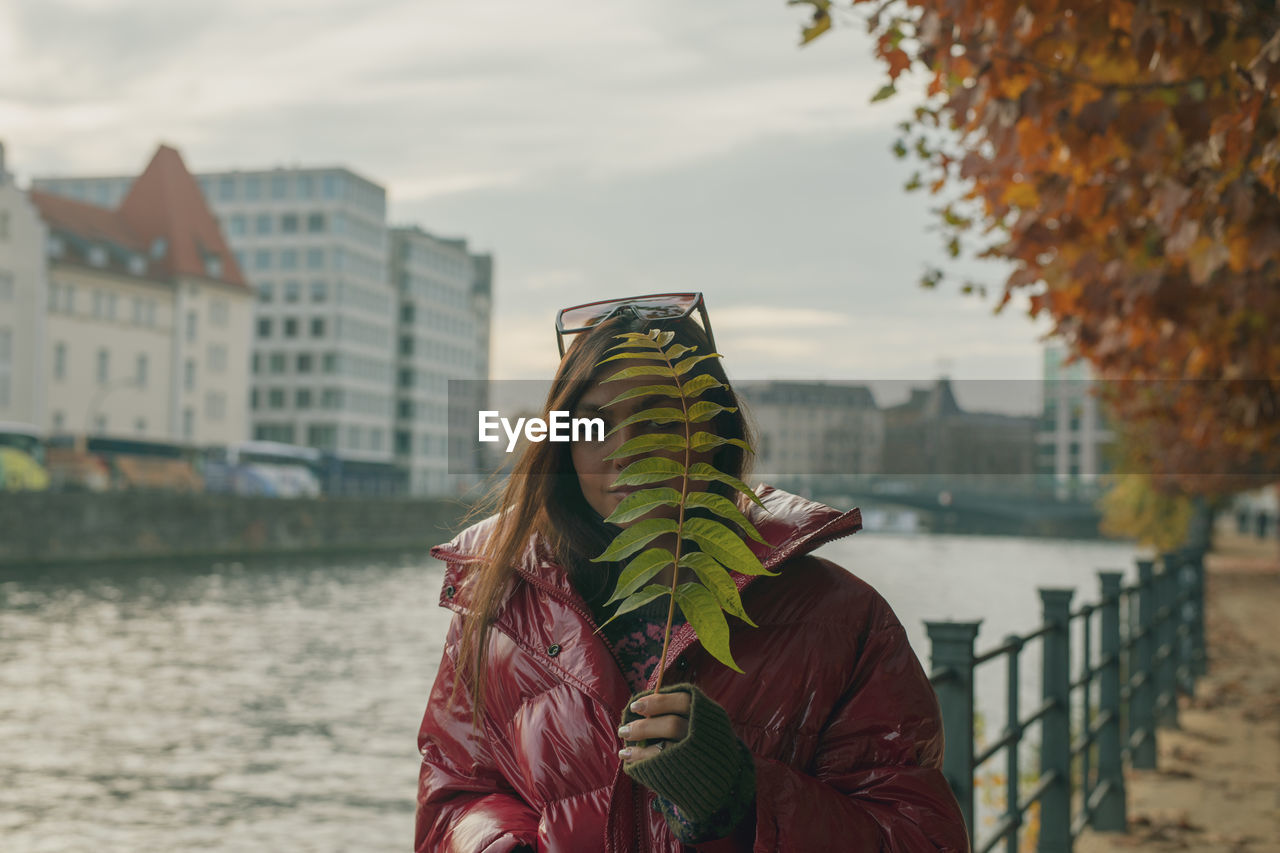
274	706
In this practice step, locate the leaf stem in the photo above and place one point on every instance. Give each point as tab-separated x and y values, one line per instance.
684	493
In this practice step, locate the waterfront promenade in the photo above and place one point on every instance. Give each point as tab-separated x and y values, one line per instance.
1217	786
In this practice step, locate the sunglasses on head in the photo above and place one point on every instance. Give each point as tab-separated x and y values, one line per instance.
656	306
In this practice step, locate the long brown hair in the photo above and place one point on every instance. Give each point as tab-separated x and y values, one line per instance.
541	504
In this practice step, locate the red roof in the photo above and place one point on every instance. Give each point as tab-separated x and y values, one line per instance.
165	202
87	220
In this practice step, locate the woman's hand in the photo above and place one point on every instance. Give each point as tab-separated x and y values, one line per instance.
666	718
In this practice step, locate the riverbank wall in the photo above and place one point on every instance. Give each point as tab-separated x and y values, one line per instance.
59	528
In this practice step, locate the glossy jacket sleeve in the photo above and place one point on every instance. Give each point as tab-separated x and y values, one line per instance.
465	805
877	782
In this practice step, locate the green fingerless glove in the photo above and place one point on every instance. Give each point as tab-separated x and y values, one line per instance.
705	774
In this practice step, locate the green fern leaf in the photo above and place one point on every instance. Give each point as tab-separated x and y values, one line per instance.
650	443
657	416
720	542
641	503
722	507
717	579
641	570
701	471
704	614
700	441
655	469
705	411
638	599
635	537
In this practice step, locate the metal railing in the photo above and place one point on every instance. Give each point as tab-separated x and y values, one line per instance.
1150	646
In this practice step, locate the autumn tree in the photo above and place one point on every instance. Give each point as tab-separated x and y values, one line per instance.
1123	159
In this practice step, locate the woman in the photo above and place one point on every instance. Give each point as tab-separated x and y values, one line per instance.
831	740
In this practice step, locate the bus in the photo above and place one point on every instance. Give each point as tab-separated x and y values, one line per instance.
263	468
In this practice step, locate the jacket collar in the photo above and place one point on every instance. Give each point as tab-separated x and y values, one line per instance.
793	526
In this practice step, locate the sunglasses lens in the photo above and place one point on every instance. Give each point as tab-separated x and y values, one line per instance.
651	308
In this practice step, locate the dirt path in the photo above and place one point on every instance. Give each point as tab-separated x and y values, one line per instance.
1218	786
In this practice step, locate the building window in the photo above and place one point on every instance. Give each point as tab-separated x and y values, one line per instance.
288	259
306	186
292	291
226	189
140	375
304	362
302	398
253	188
322	436
188	423
97	256
264	327
315	259
278	362
189	375
59	420
104	366
275	398
289	223
291	327
279	187
215	405
191	325
140	426
329	186
262	259
330	362
315	223
60	361
256	363
317	327
219	313
266	291
262	223
236	225
253	399
217	358
319	291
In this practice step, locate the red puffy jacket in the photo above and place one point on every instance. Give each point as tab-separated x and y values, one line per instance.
842	720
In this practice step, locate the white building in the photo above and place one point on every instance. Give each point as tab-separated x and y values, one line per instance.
1073	439
23	288
149	318
443	334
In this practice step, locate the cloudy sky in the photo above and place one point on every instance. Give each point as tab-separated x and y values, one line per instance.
597	149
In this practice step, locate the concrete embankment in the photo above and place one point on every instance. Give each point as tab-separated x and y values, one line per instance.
52	528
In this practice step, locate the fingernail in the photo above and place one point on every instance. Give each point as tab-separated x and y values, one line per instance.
623	731
638	706
624	753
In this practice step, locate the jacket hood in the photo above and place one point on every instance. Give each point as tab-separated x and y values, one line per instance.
793	526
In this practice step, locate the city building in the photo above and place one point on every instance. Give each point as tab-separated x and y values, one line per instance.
930	436
339	299
812	433
148	316
1073	440
23	293
442	335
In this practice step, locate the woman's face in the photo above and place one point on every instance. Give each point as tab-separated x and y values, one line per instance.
596	474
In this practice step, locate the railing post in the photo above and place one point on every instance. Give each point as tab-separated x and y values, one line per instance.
952	649
1110	815
1184	625
1142	714
1055	738
1199	651
1167	636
